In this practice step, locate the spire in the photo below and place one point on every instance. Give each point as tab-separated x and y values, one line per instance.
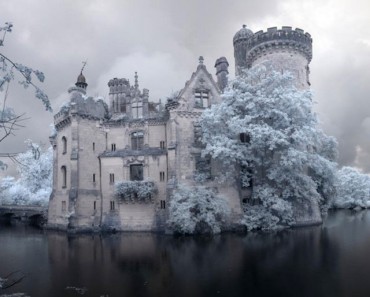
81	80
136	81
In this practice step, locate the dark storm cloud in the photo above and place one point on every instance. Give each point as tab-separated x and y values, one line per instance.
162	40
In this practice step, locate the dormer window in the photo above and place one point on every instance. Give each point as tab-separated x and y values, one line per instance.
201	98
137	110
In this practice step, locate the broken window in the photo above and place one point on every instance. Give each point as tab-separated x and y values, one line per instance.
136	172
137	140
203	166
244	138
201	98
137	110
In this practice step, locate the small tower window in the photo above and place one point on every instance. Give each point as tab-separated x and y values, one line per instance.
93	178
64	176
112	206
161	176
137	140
94	146
64	206
64	145
113	147
111	178
162	145
201	99
163	204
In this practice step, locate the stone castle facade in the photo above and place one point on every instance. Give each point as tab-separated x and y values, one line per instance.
133	141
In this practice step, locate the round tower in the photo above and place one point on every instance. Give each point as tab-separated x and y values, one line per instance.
240	41
282	49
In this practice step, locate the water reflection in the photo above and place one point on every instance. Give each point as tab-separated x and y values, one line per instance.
328	260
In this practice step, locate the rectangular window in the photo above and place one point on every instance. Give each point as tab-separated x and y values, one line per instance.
94	205
64	206
137	140
163	204
137	110
94	178
113	147
201	99
203	166
136	172
94	146
161	176
112	206
162	145
111	178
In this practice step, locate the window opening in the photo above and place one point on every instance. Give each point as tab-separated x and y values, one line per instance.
64	145
111	178
64	177
64	206
136	172
244	138
137	140
201	99
137	109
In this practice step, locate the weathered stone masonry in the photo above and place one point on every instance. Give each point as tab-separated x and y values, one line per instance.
98	145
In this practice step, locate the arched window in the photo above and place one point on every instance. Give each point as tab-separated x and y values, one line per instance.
137	140
64	145
64	176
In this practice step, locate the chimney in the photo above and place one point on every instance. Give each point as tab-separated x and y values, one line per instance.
221	66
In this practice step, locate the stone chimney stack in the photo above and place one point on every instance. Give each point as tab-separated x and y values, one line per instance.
221	66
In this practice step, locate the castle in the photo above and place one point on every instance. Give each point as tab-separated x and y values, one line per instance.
98	145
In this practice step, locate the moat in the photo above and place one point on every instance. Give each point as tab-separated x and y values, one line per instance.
328	260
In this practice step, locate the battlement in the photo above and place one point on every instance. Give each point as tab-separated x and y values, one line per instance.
283	38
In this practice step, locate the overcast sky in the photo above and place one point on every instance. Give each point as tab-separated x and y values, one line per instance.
162	40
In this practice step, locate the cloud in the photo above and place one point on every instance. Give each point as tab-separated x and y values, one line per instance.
162	41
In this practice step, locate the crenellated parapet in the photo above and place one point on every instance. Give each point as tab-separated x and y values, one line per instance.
278	39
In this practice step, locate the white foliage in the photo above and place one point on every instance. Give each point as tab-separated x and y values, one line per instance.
353	189
289	156
35	183
140	189
196	210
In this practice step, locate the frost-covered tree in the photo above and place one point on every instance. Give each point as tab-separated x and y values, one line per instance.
34	185
266	133
196	210
353	189
10	70
135	190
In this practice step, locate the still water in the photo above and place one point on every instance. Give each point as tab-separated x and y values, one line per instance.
328	260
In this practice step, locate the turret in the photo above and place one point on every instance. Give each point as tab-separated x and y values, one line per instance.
282	49
222	72
81	81
240	42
